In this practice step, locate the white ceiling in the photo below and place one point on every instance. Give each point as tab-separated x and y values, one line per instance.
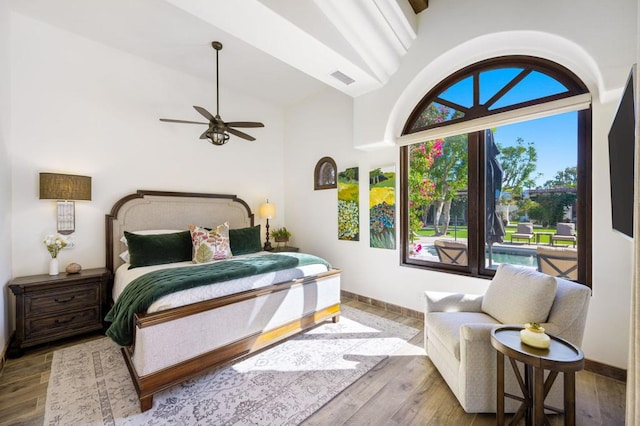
281	51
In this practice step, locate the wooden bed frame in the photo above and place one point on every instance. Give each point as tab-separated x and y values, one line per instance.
174	345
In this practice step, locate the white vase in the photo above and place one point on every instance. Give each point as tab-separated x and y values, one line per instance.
53	266
536	338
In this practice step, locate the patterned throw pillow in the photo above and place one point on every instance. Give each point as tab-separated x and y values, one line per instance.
210	245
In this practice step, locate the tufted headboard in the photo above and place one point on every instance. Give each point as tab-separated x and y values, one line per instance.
170	210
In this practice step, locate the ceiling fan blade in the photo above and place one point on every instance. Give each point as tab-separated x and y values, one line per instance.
206	114
240	134
168	120
244	124
204	134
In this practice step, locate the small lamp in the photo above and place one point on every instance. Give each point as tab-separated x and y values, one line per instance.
267	211
66	189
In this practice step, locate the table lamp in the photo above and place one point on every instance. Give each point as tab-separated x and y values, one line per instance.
267	211
66	189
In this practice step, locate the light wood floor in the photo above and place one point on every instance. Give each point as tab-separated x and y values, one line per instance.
402	390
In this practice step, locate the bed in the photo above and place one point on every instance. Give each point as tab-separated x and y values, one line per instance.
173	341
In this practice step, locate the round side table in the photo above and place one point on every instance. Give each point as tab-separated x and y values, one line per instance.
561	357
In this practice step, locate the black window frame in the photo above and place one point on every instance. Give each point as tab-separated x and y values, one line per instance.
476	188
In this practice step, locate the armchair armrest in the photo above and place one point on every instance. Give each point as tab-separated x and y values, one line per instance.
477	332
437	301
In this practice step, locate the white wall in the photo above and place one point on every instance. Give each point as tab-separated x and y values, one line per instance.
596	41
80	107
83	108
5	177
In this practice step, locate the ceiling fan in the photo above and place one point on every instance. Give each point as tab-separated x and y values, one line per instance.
218	131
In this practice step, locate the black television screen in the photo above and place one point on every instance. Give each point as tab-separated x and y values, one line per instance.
621	161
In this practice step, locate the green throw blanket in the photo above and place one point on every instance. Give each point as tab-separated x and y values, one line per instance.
144	290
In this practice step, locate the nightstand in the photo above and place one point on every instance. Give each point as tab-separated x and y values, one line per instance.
284	248
51	307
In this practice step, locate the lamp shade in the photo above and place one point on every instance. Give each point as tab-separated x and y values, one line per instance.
267	210
55	186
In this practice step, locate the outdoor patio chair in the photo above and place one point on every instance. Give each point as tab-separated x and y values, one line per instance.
451	252
565	232
558	261
524	232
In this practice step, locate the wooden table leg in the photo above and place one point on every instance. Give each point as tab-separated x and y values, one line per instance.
500	389
569	398
538	397
528	383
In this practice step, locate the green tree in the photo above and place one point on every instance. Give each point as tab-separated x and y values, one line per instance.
349	175
376	176
518	166
551	207
567	178
519	163
445	167
449	173
421	187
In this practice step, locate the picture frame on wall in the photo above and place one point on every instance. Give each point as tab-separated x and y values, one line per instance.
325	174
349	204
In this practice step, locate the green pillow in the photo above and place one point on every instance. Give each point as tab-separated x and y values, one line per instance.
156	249
245	240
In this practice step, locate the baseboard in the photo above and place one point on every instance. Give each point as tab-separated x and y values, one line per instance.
605	370
383	305
589	365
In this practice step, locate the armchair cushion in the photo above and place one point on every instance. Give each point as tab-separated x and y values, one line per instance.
519	295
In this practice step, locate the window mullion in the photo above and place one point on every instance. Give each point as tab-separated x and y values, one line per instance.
474	202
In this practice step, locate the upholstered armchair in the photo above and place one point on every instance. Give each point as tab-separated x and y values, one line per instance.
458	331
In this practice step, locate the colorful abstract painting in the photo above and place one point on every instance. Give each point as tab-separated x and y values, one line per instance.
349	205
382	207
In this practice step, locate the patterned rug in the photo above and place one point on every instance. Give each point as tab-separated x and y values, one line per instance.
283	385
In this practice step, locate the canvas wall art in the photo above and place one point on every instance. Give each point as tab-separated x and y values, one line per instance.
349	205
382	207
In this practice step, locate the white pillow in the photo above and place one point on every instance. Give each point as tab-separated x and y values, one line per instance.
123	240
519	295
125	255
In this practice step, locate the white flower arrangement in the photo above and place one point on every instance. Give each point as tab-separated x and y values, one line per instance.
54	244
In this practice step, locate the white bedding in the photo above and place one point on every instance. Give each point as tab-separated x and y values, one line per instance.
124	276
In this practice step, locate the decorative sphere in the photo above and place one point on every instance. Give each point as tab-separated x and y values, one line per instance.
73	268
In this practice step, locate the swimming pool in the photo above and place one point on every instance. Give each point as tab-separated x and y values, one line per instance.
513	259
500	256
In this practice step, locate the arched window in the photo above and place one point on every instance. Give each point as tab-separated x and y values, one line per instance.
495	168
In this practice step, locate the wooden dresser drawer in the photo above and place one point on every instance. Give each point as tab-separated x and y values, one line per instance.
50	307
62	324
61	301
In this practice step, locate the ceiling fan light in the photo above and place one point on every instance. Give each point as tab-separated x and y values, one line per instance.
218	137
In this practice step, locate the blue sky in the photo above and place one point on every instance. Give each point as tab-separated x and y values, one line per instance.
555	139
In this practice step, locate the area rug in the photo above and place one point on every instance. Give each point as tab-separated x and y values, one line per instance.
283	385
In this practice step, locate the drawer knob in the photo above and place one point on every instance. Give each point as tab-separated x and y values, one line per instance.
65	321
65	300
